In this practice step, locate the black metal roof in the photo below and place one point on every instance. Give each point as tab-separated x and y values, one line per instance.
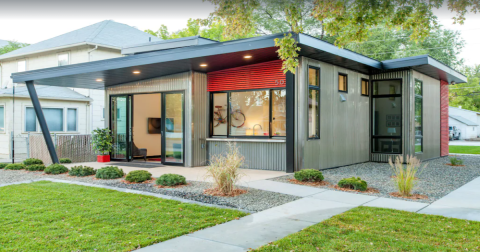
217	56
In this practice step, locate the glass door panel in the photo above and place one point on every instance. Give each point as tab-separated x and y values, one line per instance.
173	137
120	127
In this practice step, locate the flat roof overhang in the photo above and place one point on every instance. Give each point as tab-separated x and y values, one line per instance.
218	56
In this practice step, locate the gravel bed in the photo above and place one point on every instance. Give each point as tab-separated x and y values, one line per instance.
435	181
253	201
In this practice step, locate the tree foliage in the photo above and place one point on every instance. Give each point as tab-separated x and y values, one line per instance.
467	95
12	46
347	20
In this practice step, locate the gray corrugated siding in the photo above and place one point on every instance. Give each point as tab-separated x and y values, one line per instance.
407	113
431	117
199	119
175	82
344	126
261	156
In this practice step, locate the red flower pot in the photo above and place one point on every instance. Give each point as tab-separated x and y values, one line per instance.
103	158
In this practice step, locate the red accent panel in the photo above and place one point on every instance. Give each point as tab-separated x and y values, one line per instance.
256	76
443	118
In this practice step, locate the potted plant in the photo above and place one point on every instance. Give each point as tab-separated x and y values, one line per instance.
102	142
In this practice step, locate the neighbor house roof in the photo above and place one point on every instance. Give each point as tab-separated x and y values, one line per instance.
218	56
46	92
106	33
463	120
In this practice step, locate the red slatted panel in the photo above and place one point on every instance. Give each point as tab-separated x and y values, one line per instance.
443	118
256	76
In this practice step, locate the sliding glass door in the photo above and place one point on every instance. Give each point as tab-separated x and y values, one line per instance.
173	129
120	125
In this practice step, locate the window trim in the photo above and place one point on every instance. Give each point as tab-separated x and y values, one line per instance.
368	87
26	67
372	137
346	82
64	123
62	53
317	88
270	136
415	137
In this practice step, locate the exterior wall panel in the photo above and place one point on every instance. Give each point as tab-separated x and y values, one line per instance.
199	119
408	134
258	155
431	116
444	118
344	126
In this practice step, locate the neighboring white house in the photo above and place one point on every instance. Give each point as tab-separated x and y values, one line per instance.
103	40
466	121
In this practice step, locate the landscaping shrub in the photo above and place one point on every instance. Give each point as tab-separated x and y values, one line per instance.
405	175
35	167
109	172
455	161
309	175
15	167
224	169
65	161
81	171
32	161
171	180
138	176
2	165
56	169
353	183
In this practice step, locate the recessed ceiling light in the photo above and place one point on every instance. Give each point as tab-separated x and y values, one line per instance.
247	56
99	80
203	65
136	72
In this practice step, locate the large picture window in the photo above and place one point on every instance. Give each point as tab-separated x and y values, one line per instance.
387	116
313	102
253	113
418	116
56	120
2	119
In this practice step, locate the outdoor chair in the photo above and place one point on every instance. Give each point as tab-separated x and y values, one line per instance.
142	152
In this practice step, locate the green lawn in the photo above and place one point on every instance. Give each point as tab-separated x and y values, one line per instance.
464	149
377	229
47	216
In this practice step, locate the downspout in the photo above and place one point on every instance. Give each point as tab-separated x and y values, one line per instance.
89	106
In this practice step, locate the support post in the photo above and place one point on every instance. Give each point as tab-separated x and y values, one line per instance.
42	121
290	124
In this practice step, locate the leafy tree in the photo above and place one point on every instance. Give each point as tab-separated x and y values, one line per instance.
348	20
467	95
12	46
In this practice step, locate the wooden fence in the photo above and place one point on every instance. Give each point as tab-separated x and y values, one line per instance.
76	147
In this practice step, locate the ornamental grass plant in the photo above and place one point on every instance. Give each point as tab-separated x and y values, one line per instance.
405	174
225	169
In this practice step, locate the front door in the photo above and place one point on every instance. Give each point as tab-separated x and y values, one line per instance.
173	143
121	125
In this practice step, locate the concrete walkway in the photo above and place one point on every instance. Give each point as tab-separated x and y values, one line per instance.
275	223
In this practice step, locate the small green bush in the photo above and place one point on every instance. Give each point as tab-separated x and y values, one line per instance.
3	165
65	161
81	171
171	180
32	161
309	175
56	169
35	167
138	176
109	172
455	161
353	183
15	167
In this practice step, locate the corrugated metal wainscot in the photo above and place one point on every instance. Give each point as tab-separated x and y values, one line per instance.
261	155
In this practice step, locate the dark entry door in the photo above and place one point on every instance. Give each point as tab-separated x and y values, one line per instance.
121	127
173	128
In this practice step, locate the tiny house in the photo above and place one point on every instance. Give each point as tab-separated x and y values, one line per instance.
338	108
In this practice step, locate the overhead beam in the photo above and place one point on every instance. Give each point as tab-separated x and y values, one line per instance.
42	121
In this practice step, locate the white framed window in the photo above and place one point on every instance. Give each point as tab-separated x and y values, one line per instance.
22	66
63	59
58	119
2	118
